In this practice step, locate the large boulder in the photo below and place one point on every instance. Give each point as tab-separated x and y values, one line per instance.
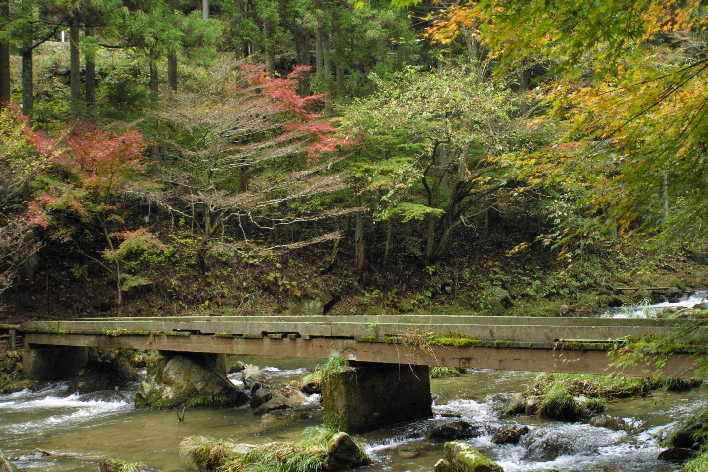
616	423
343	453
183	381
463	457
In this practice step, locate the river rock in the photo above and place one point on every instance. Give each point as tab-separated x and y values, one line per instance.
181	380
443	466
266	399
463	457
610	422
510	436
311	387
518	404
452	430
677	454
344	453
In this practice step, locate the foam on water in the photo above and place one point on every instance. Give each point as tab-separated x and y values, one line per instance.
70	410
649	311
390	443
469	409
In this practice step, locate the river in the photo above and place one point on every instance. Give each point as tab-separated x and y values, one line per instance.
80	429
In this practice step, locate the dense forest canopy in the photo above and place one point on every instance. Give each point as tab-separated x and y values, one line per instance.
184	151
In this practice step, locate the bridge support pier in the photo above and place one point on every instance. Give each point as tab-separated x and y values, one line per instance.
53	362
373	395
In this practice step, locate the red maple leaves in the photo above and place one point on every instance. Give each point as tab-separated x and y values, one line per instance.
283	92
100	160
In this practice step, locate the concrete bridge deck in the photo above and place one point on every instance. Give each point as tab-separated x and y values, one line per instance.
545	344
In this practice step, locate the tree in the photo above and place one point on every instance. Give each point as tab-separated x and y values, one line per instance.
424	137
629	81
93	167
20	163
4	56
246	148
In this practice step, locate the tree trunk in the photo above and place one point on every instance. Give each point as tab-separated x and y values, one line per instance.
267	48
359	243
429	238
319	62
27	81
387	246
4	58
205	9
90	59
154	79
75	73
303	58
172	71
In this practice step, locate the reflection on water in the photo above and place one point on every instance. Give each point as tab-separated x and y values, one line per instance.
79	429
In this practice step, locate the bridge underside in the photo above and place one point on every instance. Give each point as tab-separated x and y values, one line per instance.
534	357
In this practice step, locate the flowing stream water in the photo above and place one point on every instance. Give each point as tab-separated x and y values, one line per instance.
80	429
52	429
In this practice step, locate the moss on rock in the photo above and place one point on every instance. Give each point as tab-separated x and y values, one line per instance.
572	397
463	457
11	376
182	381
320	450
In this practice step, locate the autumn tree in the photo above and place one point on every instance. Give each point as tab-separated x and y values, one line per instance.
21	161
92	168
245	149
628	78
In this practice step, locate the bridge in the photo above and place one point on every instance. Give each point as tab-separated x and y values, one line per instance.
375	345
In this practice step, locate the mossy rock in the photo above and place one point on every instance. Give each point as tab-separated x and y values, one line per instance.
565	407
344	453
463	457
324	450
182	381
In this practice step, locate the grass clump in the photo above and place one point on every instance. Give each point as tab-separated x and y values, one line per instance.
559	403
324	372
572	397
311	454
207	453
609	386
438	372
698	463
113	465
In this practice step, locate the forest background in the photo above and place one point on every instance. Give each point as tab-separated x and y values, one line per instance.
349	157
